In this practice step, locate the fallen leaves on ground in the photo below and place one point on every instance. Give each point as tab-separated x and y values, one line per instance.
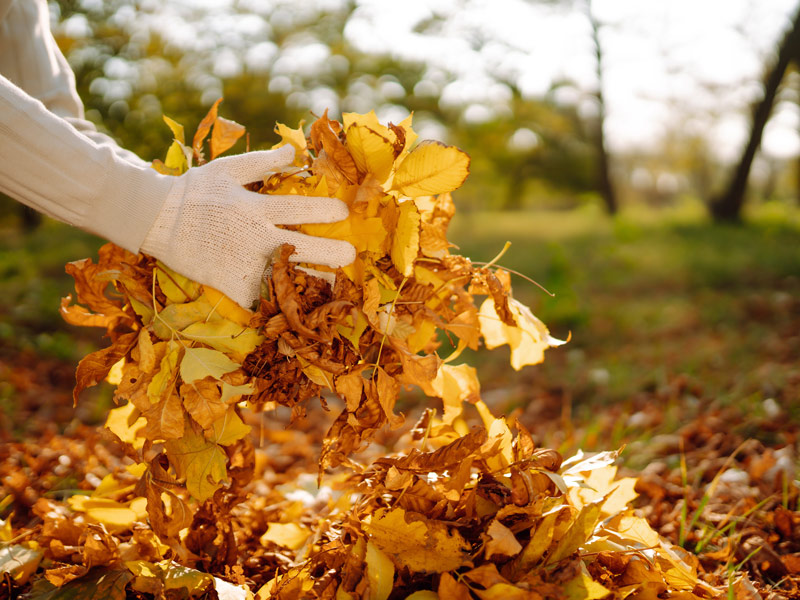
467	507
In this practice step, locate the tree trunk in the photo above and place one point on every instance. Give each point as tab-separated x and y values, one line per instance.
605	184
728	206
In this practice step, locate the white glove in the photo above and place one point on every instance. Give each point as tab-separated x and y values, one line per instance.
215	232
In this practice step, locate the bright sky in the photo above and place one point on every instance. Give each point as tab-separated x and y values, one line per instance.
693	64
660	57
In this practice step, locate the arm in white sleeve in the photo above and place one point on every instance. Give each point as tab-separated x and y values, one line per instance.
31	59
47	164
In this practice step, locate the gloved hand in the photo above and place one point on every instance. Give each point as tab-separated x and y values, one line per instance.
215	232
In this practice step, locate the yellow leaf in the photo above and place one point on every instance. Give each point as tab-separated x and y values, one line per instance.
423	595
176	158
528	340
164	380
504	591
539	543
424	331
583	587
125	422
226	336
380	573
502	541
367	234
232	392
19	561
175	317
294	137
229	428
288	535
368	120
177	288
6	533
600	485
224	135
317	375
178	576
431	168
200	461
371	151
630	528
578	533
115	516
405	241
422	545
352	331
199	363
225	307
176	128
455	384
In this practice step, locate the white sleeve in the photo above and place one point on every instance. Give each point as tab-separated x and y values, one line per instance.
49	165
31	59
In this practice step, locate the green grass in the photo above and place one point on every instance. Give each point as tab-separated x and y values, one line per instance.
660	305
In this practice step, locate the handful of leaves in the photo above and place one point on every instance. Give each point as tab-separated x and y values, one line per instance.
186	359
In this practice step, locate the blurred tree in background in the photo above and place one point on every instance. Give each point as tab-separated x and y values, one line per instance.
536	140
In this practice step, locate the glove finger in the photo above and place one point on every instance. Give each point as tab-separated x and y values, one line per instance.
296	210
253	166
317	250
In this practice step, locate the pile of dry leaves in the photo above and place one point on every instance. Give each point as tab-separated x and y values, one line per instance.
191	503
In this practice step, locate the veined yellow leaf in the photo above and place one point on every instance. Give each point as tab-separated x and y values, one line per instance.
528	340
177	288
229	428
369	120
426	546
431	168
226	336
198	363
405	240
200	461
371	151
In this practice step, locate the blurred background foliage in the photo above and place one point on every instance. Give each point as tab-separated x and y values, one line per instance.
656	294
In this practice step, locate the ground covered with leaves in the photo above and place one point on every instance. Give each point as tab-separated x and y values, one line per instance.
220	472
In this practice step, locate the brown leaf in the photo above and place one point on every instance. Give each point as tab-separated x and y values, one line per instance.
202	130
388	391
94	367
164	419
325	136
99	548
501	541
450	589
444	458
224	135
202	400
